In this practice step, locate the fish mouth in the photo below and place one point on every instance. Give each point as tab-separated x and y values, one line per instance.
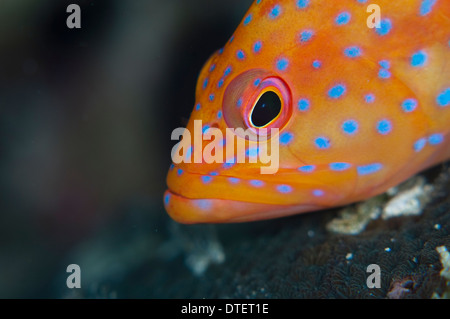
191	198
235	196
213	210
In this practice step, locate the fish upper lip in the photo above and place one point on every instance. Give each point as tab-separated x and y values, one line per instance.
179	195
276	210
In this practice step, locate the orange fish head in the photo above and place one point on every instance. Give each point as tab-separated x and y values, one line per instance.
234	160
301	111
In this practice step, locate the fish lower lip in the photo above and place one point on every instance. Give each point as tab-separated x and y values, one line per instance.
197	210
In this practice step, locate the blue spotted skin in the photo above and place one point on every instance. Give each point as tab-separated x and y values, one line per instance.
316	64
306	35
353	52
303	105
306	168
343	18
282	64
363	109
350	127
286	138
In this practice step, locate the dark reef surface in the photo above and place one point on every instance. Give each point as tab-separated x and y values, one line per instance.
294	257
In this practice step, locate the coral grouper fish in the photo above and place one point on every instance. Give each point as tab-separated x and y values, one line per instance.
359	109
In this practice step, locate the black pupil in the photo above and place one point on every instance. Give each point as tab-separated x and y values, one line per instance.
267	108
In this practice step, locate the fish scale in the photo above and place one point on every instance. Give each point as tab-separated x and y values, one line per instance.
362	109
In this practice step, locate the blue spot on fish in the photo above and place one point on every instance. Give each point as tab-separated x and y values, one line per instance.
275	12
233	180
339	166
307	168
240	55
239	102
303	105
443	99
179	172
418	59
336	91
189	153
284	188
205	128
306	35
385	27
229	162
352	52
286	138
167	199
435	139
369	169
247	19
420	144
257	46
409	105
343	18
384	127
256	183
282	64
426	6
384	74
206	179
318	192
228	165
384	64
369	98
198	106
350	127
227	71
203	204
252	151
302	4
322	142
316	64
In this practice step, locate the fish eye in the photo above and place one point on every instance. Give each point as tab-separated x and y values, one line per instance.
256	101
266	110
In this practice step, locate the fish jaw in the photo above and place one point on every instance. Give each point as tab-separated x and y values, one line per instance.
192	211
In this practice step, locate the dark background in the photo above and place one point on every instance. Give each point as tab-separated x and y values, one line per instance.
85	123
